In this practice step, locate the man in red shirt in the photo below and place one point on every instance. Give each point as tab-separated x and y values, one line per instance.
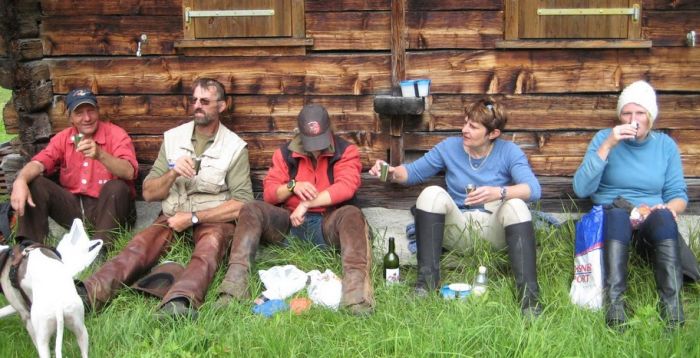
97	164
312	179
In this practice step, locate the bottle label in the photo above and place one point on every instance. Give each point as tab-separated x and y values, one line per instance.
392	276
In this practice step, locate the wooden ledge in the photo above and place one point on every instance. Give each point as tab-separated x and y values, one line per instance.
572	44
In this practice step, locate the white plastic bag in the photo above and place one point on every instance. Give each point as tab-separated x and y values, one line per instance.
282	281
587	286
77	250
325	288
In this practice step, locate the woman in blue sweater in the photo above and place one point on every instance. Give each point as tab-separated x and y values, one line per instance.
497	208
644	167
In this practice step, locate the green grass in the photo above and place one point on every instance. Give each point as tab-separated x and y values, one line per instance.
401	326
5	96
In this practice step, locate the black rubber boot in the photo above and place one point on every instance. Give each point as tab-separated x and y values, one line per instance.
669	281
523	255
615	257
430	229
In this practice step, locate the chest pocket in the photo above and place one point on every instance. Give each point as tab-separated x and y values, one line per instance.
211	178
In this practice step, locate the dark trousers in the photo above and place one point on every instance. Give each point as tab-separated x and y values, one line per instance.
114	208
660	225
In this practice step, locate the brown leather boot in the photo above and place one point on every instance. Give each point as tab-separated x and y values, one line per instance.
139	255
346	227
257	221
210	243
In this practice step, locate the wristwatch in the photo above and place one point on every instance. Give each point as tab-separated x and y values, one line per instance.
503	193
290	186
195	219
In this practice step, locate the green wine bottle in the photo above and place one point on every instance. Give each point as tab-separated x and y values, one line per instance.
391	264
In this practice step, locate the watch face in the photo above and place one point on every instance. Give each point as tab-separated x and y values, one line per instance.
291	184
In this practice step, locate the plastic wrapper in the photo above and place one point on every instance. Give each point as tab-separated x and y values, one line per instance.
282	281
325	288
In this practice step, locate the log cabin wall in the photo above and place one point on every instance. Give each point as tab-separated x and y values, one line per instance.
557	98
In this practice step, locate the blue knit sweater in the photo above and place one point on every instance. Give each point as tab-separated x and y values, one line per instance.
648	172
505	165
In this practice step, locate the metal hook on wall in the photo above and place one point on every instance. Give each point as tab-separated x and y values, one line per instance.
142	40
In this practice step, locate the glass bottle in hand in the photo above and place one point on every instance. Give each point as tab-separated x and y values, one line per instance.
391	264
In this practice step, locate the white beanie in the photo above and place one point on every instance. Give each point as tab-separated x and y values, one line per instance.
642	94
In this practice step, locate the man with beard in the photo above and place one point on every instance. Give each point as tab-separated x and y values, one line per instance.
202	178
96	163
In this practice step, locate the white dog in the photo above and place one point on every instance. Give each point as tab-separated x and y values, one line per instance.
47	283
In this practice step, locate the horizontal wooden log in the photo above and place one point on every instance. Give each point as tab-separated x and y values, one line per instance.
670	4
688	141
153	114
109	35
10	117
349	30
252	51
430	5
33	98
32	73
346	5
27	49
415	5
310	75
111	7
555	71
454	29
669	28
560	112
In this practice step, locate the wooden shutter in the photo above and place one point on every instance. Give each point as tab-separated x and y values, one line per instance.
531	25
277	25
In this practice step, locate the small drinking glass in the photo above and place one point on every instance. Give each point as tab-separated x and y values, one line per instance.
77	138
384	172
197	164
468	189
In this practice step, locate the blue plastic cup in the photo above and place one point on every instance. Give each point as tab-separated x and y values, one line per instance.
423	87
408	88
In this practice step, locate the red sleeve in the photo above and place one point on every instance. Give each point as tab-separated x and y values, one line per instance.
276	176
123	148
346	176
54	154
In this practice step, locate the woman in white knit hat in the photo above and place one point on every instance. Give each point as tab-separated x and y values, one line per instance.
644	167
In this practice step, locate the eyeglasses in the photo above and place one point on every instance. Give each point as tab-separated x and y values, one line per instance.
203	101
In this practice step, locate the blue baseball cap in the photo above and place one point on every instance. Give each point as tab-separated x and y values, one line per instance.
77	97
